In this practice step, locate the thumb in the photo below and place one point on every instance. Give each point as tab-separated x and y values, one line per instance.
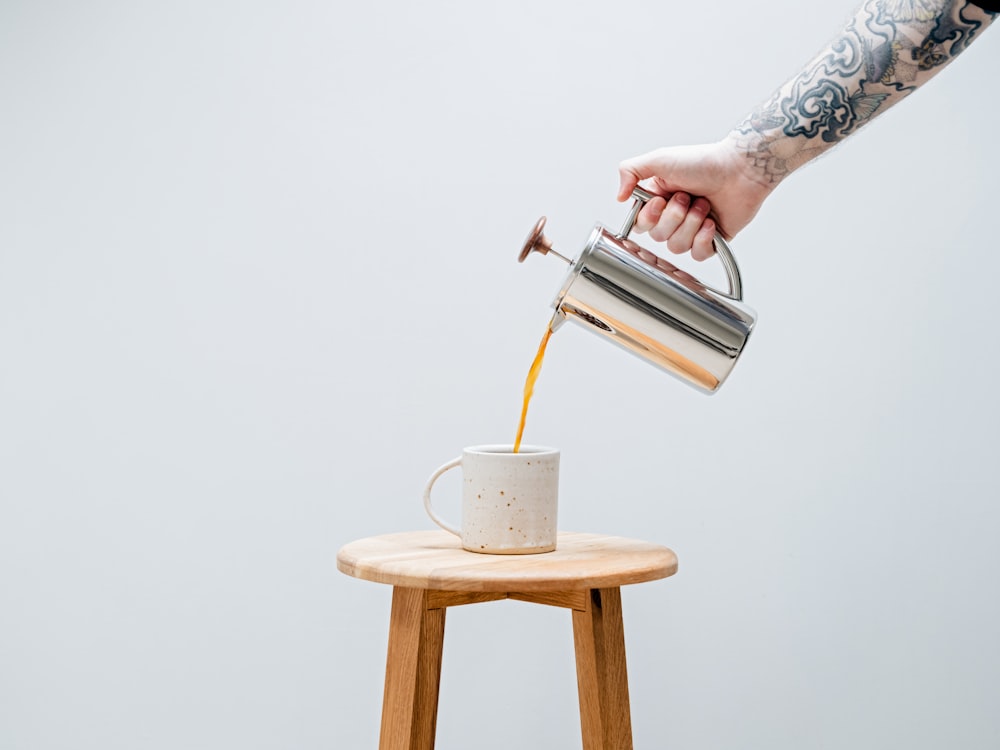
630	172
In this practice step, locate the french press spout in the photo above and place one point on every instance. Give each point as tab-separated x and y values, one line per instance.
646	305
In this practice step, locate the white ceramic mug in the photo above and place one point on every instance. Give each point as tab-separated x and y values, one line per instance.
509	500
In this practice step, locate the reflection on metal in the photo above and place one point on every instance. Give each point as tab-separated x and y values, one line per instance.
649	307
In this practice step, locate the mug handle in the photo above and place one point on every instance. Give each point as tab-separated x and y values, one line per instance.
721	246
427	496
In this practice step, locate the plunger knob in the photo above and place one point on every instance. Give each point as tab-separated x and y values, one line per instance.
537	242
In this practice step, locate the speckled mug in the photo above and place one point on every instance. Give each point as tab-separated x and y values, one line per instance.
509	500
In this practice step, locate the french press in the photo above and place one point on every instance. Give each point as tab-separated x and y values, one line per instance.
648	306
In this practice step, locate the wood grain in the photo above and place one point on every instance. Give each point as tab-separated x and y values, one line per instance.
436	560
439	599
601	674
412	672
569	599
429	572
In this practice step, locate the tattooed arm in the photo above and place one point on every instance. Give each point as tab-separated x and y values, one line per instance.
889	49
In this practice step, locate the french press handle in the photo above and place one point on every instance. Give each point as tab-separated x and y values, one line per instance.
642	197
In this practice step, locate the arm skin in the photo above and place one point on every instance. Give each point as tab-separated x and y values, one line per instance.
889	49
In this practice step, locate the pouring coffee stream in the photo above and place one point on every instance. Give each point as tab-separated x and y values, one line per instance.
646	305
529	383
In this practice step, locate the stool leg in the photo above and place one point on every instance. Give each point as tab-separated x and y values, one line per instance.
601	676
412	672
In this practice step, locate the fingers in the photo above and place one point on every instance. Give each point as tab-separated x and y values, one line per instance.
681	239
703	247
650	214
673	223
677	219
681	222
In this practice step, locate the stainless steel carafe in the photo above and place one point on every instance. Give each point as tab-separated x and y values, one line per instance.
648	306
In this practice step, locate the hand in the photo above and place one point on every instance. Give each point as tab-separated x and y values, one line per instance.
718	174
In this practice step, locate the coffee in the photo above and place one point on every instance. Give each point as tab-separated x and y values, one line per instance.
529	385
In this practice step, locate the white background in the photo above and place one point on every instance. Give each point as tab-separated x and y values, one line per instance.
258	279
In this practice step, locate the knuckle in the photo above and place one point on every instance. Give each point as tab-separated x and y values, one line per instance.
650	214
659	233
676	246
701	207
676	213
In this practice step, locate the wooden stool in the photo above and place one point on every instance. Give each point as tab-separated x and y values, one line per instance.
429	571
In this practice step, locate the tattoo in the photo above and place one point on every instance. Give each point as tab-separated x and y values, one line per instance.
888	50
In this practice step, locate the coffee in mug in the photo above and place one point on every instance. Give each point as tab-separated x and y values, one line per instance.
509	500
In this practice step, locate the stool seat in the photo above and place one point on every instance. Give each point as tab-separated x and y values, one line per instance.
435	560
430	572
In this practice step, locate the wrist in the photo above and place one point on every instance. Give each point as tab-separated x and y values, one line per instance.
751	155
